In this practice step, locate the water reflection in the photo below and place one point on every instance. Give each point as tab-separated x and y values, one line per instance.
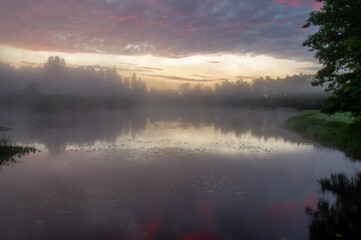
10	152
341	219
112	197
57	132
175	174
7	160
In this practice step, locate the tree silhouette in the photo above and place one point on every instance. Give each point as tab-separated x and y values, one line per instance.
338	48
55	63
33	89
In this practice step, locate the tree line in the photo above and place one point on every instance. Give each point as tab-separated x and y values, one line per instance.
56	86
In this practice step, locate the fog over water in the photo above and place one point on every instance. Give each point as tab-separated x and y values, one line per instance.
175	120
117	160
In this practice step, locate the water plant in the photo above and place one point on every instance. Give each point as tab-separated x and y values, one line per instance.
9	151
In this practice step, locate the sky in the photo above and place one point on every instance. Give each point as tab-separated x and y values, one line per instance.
166	42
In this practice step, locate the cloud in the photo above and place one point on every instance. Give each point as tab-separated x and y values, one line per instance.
136	68
309	69
201	76
150	68
297	3
182	79
171	28
31	63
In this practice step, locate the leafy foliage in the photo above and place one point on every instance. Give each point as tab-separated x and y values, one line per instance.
55	63
338	48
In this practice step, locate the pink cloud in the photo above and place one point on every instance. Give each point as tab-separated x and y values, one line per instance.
293	3
119	19
141	27
190	26
297	3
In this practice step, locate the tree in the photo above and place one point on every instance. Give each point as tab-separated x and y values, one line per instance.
33	89
139	88
338	48
55	63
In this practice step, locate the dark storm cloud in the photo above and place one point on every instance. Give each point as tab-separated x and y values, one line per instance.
172	28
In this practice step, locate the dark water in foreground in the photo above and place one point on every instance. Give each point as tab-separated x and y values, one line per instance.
185	174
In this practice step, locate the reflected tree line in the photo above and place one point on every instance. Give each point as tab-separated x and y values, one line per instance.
58	87
61	129
57	131
341	219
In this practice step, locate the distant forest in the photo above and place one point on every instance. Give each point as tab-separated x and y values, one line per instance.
58	87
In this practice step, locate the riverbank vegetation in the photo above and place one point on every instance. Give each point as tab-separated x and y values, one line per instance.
337	48
340	130
9	151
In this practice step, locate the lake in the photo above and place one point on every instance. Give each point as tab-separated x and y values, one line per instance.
163	174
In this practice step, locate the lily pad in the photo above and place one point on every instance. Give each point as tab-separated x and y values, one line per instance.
39	221
239	193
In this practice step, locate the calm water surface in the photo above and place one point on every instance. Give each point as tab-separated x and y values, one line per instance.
163	174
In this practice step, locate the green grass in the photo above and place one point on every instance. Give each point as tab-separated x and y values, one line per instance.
337	117
338	130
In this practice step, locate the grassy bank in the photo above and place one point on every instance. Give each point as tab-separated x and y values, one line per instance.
338	130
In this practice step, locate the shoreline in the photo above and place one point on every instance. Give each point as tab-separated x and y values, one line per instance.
336	131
